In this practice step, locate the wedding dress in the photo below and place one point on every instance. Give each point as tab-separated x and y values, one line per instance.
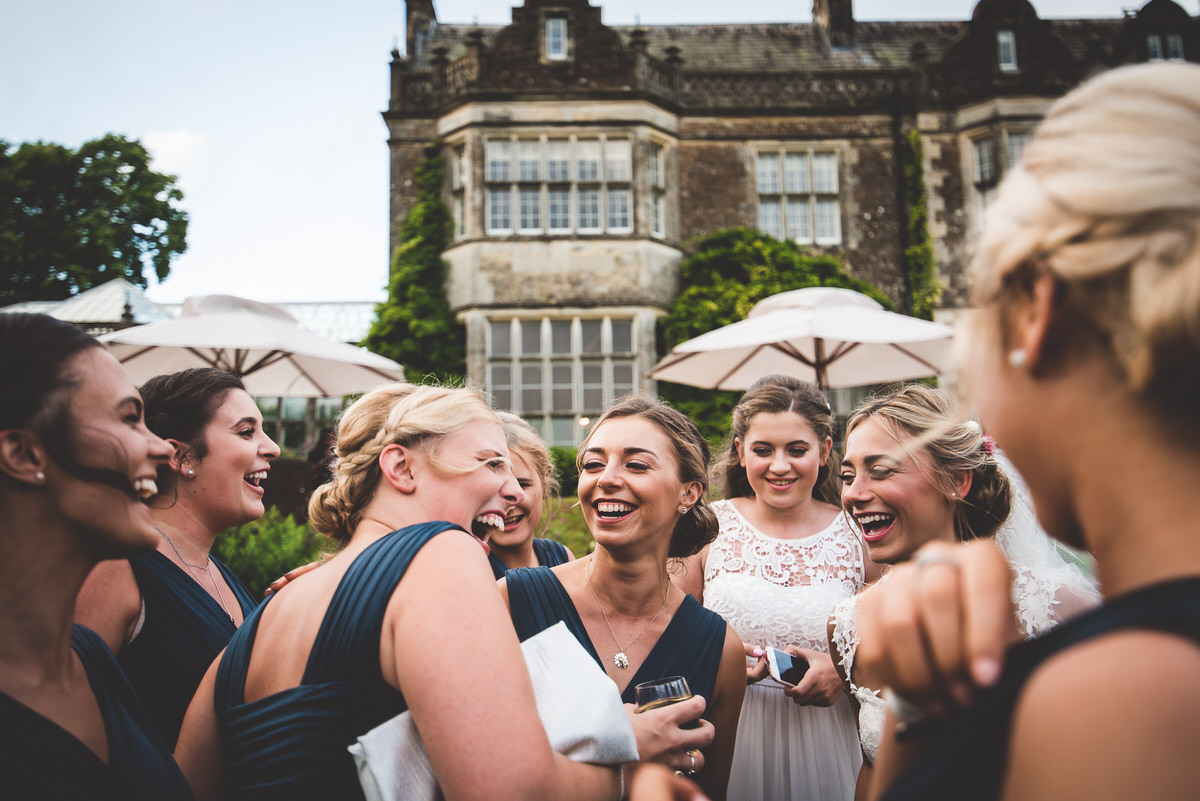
781	592
1051	583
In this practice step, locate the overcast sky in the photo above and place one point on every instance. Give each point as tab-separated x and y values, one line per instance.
269	114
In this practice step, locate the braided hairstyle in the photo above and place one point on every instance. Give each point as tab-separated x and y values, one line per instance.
921	418
401	414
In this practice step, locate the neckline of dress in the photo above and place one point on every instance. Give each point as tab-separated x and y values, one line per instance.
753	529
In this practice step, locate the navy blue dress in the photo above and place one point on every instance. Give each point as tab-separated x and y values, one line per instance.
184	630
549	553
968	755
41	761
690	646
292	745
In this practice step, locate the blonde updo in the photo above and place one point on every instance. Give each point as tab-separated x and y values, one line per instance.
921	418
1107	198
403	414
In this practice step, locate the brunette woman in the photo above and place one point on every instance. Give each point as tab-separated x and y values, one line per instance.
77	466
642	486
168	613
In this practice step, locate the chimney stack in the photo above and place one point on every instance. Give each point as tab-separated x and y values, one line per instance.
836	18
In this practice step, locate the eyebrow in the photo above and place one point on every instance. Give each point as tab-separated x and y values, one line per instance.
793	442
872	459
247	419
626	451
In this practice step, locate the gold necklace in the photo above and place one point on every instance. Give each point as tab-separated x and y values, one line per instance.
206	566
619	658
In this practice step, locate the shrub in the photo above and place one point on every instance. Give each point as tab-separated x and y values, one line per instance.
564	467
262	551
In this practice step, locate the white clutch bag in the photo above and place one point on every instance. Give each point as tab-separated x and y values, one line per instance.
578	703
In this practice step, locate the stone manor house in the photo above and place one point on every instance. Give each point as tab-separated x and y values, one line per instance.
582	158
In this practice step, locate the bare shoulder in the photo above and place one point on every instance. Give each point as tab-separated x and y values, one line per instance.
110	602
1114	717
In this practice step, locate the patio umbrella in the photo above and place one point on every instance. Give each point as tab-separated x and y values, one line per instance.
261	343
833	337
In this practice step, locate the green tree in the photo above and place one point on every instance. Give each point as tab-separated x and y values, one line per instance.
725	275
72	219
919	264
415	325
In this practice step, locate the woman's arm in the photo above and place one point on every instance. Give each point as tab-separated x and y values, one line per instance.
724	712
109	603
480	726
198	750
1090	725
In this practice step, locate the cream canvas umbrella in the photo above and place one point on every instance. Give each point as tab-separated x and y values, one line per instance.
832	337
261	343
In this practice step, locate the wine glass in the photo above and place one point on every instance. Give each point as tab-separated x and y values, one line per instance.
661	692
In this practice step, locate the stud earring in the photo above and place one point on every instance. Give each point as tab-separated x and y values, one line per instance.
1017	357
190	473
39	476
683	510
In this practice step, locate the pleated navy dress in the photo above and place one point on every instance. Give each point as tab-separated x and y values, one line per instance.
690	646
292	744
547	552
184	630
41	761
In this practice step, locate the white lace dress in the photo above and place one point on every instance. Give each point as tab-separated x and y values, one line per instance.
782	592
1042	597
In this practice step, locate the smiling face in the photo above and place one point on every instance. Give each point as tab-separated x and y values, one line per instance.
110	435
468	479
890	496
782	455
521	521
629	485
227	488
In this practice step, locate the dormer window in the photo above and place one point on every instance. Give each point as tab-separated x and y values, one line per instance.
556	38
1154	50
1006	50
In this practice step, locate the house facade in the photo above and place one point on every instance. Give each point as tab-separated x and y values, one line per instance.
582	158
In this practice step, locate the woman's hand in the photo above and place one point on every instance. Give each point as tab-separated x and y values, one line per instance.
293	574
821	684
939	625
656	783
758	671
661	738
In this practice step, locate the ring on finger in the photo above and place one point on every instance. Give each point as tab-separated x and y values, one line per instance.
929	558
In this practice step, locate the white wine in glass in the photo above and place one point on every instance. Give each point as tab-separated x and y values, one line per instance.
661	692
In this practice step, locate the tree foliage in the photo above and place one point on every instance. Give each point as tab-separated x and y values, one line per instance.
725	275
919	264
263	550
72	219
415	325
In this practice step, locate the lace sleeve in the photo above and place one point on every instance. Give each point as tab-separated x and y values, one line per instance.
845	636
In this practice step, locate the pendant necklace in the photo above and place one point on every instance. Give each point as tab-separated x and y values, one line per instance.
619	658
206	566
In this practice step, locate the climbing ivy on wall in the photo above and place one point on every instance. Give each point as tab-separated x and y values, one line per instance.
919	264
415	326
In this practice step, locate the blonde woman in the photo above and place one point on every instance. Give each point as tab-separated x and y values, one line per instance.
1083	366
515	545
916	471
381	627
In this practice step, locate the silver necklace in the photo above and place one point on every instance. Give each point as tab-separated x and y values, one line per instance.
207	566
619	658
